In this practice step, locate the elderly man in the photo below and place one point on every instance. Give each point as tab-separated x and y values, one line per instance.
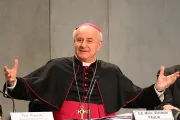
68	84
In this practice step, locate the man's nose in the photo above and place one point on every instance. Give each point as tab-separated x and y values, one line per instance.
84	44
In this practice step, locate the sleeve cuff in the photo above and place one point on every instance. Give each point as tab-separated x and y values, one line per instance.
160	94
11	88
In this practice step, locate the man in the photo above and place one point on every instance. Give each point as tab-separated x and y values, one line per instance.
67	83
172	94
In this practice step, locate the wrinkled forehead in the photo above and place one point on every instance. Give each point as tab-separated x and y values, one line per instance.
87	32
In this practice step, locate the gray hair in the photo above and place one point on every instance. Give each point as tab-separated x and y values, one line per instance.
74	34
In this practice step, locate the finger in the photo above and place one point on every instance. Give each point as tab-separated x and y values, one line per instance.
168	107
15	66
165	108
6	75
6	69
170	83
162	71
171	79
8	78
175	108
174	77
177	74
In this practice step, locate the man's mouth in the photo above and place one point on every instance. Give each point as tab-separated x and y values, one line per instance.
83	50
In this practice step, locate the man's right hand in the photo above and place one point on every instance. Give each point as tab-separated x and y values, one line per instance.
10	74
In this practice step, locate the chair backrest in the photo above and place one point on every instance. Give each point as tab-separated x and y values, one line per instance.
38	106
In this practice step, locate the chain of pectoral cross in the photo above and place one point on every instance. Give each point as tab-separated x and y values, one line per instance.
82	111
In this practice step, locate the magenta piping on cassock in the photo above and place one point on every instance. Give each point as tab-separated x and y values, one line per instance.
45	100
133	98
101	97
72	82
38	95
100	94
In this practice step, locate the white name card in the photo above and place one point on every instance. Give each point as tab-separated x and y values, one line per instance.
31	116
153	115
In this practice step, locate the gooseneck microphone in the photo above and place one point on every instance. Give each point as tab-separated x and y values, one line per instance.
6	95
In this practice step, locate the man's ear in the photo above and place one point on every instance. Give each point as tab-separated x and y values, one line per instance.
99	45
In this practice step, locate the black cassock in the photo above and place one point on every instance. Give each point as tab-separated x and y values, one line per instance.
54	82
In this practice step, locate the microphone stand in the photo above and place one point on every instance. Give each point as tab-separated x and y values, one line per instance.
89	113
6	95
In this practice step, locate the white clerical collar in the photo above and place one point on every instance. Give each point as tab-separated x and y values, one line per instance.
86	64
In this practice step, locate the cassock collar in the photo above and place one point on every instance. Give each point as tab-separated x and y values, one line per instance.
78	62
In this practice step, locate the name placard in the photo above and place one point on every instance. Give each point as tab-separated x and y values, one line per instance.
31	116
153	115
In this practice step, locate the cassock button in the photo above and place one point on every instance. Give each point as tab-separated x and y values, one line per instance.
86	73
86	78
85	90
86	67
85	85
84	97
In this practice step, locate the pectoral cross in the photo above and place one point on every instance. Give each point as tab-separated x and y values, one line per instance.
81	112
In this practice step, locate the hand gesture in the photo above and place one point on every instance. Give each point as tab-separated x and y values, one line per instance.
10	74
164	82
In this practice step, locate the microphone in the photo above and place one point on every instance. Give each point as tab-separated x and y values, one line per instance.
89	113
6	95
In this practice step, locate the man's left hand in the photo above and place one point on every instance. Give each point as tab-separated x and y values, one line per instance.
164	82
170	107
